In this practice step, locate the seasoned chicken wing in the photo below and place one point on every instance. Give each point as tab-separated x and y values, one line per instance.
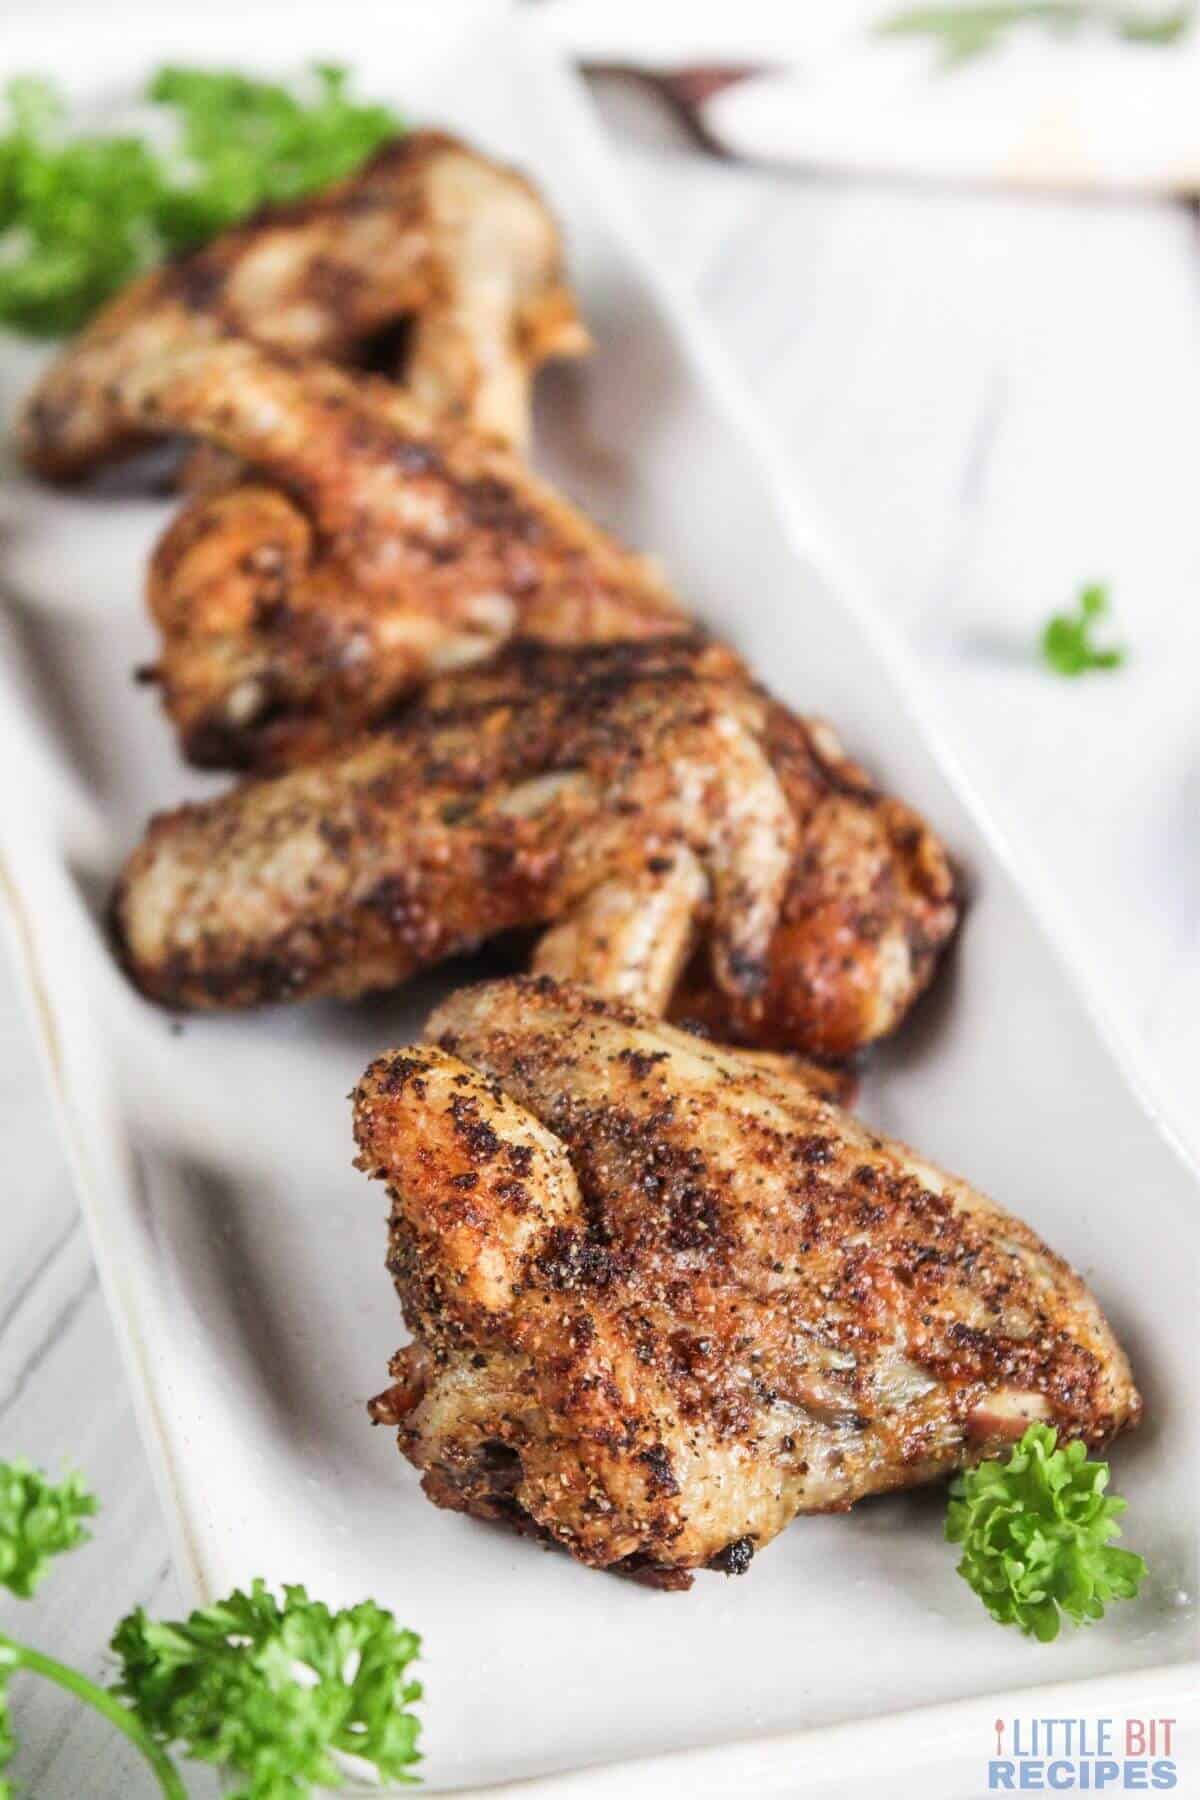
379	550
646	802
428	230
662	1301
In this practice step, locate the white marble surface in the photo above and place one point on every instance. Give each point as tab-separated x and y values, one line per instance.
994	399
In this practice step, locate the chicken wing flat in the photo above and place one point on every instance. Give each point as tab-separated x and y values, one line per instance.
428	229
379	550
647	803
662	1301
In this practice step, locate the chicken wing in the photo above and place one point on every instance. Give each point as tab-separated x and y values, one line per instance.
646	802
662	1302
379	550
428	229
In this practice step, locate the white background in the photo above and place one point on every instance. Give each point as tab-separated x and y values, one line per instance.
994	399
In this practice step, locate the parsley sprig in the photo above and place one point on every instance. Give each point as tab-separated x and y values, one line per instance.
273	1691
1067	645
964	32
82	213
38	1522
251	143
1036	1532
223	1684
76	214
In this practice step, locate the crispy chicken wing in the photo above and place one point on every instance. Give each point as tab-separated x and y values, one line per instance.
646	802
428	229
380	550
662	1301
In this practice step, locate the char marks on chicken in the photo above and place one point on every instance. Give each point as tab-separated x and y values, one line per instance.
373	551
662	1301
688	842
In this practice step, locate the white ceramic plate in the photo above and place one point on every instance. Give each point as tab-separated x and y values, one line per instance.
242	1255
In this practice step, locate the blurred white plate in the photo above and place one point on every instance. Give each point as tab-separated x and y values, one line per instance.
242	1255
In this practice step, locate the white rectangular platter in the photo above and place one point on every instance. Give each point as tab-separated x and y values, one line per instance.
243	1256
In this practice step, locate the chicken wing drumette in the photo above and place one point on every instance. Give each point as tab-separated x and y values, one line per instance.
427	230
647	803
662	1301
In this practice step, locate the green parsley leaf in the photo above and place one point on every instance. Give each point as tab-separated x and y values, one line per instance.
1036	1534
74	215
961	32
1067	645
252	143
272	1692
39	1519
80	215
1156	28
964	32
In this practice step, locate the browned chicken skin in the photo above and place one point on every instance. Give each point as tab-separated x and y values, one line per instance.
646	802
377	550
428	229
663	1301
349	539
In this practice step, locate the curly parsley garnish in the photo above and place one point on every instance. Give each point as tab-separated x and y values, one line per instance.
1067	645
82	213
38	1521
274	1691
223	1684
1036	1534
250	143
